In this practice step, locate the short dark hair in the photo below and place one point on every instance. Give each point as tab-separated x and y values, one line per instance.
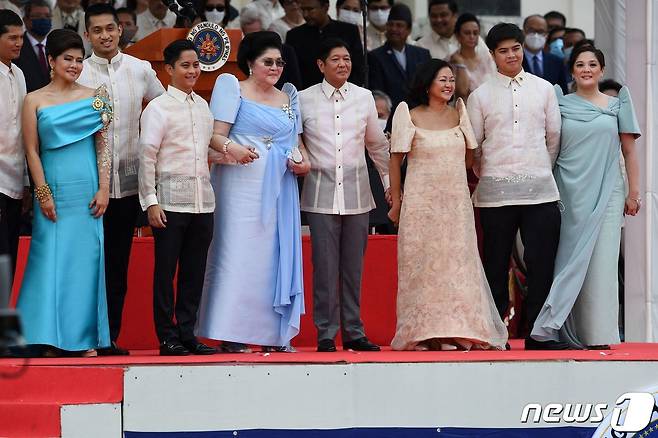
173	51
255	44
35	3
585	42
9	18
61	40
525	20
555	14
129	11
583	48
452	5
464	18
609	84
552	32
390	2
100	9
501	32
339	3
575	30
422	80
329	44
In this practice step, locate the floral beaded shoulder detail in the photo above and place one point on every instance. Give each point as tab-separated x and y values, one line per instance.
101	103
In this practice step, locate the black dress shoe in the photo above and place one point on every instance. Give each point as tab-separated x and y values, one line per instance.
199	348
361	344
112	350
173	349
533	344
326	346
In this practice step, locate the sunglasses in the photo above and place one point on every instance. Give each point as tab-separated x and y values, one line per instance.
269	62
219	8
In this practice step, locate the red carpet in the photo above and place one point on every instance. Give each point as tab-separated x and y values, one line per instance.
621	352
377	298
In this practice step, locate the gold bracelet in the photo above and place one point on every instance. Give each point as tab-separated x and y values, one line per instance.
43	193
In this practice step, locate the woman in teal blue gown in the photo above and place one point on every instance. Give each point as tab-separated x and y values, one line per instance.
62	300
582	307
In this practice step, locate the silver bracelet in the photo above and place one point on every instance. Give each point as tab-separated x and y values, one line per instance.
226	143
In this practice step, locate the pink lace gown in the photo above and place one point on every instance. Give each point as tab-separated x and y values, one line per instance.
443	293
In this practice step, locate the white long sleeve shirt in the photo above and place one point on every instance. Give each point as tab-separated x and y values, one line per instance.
130	82
339	125
517	123
12	152
173	166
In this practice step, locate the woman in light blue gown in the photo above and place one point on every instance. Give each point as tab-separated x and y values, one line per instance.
62	300
582	307
253	291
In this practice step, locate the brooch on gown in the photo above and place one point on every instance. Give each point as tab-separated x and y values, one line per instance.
288	110
102	104
268	140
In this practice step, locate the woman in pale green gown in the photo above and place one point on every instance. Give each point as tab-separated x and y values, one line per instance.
582	307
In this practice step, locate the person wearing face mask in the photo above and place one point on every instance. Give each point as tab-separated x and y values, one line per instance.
32	60
218	12
130	82
349	11
572	36
378	11
393	65
128	23
555	42
536	60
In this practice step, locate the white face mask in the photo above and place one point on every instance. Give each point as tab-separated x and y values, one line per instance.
382	123
350	17
215	16
379	17
535	41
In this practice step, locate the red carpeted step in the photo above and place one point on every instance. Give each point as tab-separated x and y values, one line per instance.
61	384
29	419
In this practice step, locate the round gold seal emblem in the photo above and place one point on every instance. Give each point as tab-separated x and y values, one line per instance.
212	44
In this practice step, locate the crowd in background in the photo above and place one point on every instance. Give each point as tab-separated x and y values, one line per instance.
450	100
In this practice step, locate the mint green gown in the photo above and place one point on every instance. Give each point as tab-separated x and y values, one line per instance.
582	307
62	300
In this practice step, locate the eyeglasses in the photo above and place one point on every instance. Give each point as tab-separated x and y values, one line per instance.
219	8
269	62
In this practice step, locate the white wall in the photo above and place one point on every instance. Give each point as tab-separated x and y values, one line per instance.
579	13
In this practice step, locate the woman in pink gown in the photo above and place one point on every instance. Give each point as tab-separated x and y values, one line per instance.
444	300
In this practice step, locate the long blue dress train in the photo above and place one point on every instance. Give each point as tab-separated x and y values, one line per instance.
62	299
253	291
582	306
